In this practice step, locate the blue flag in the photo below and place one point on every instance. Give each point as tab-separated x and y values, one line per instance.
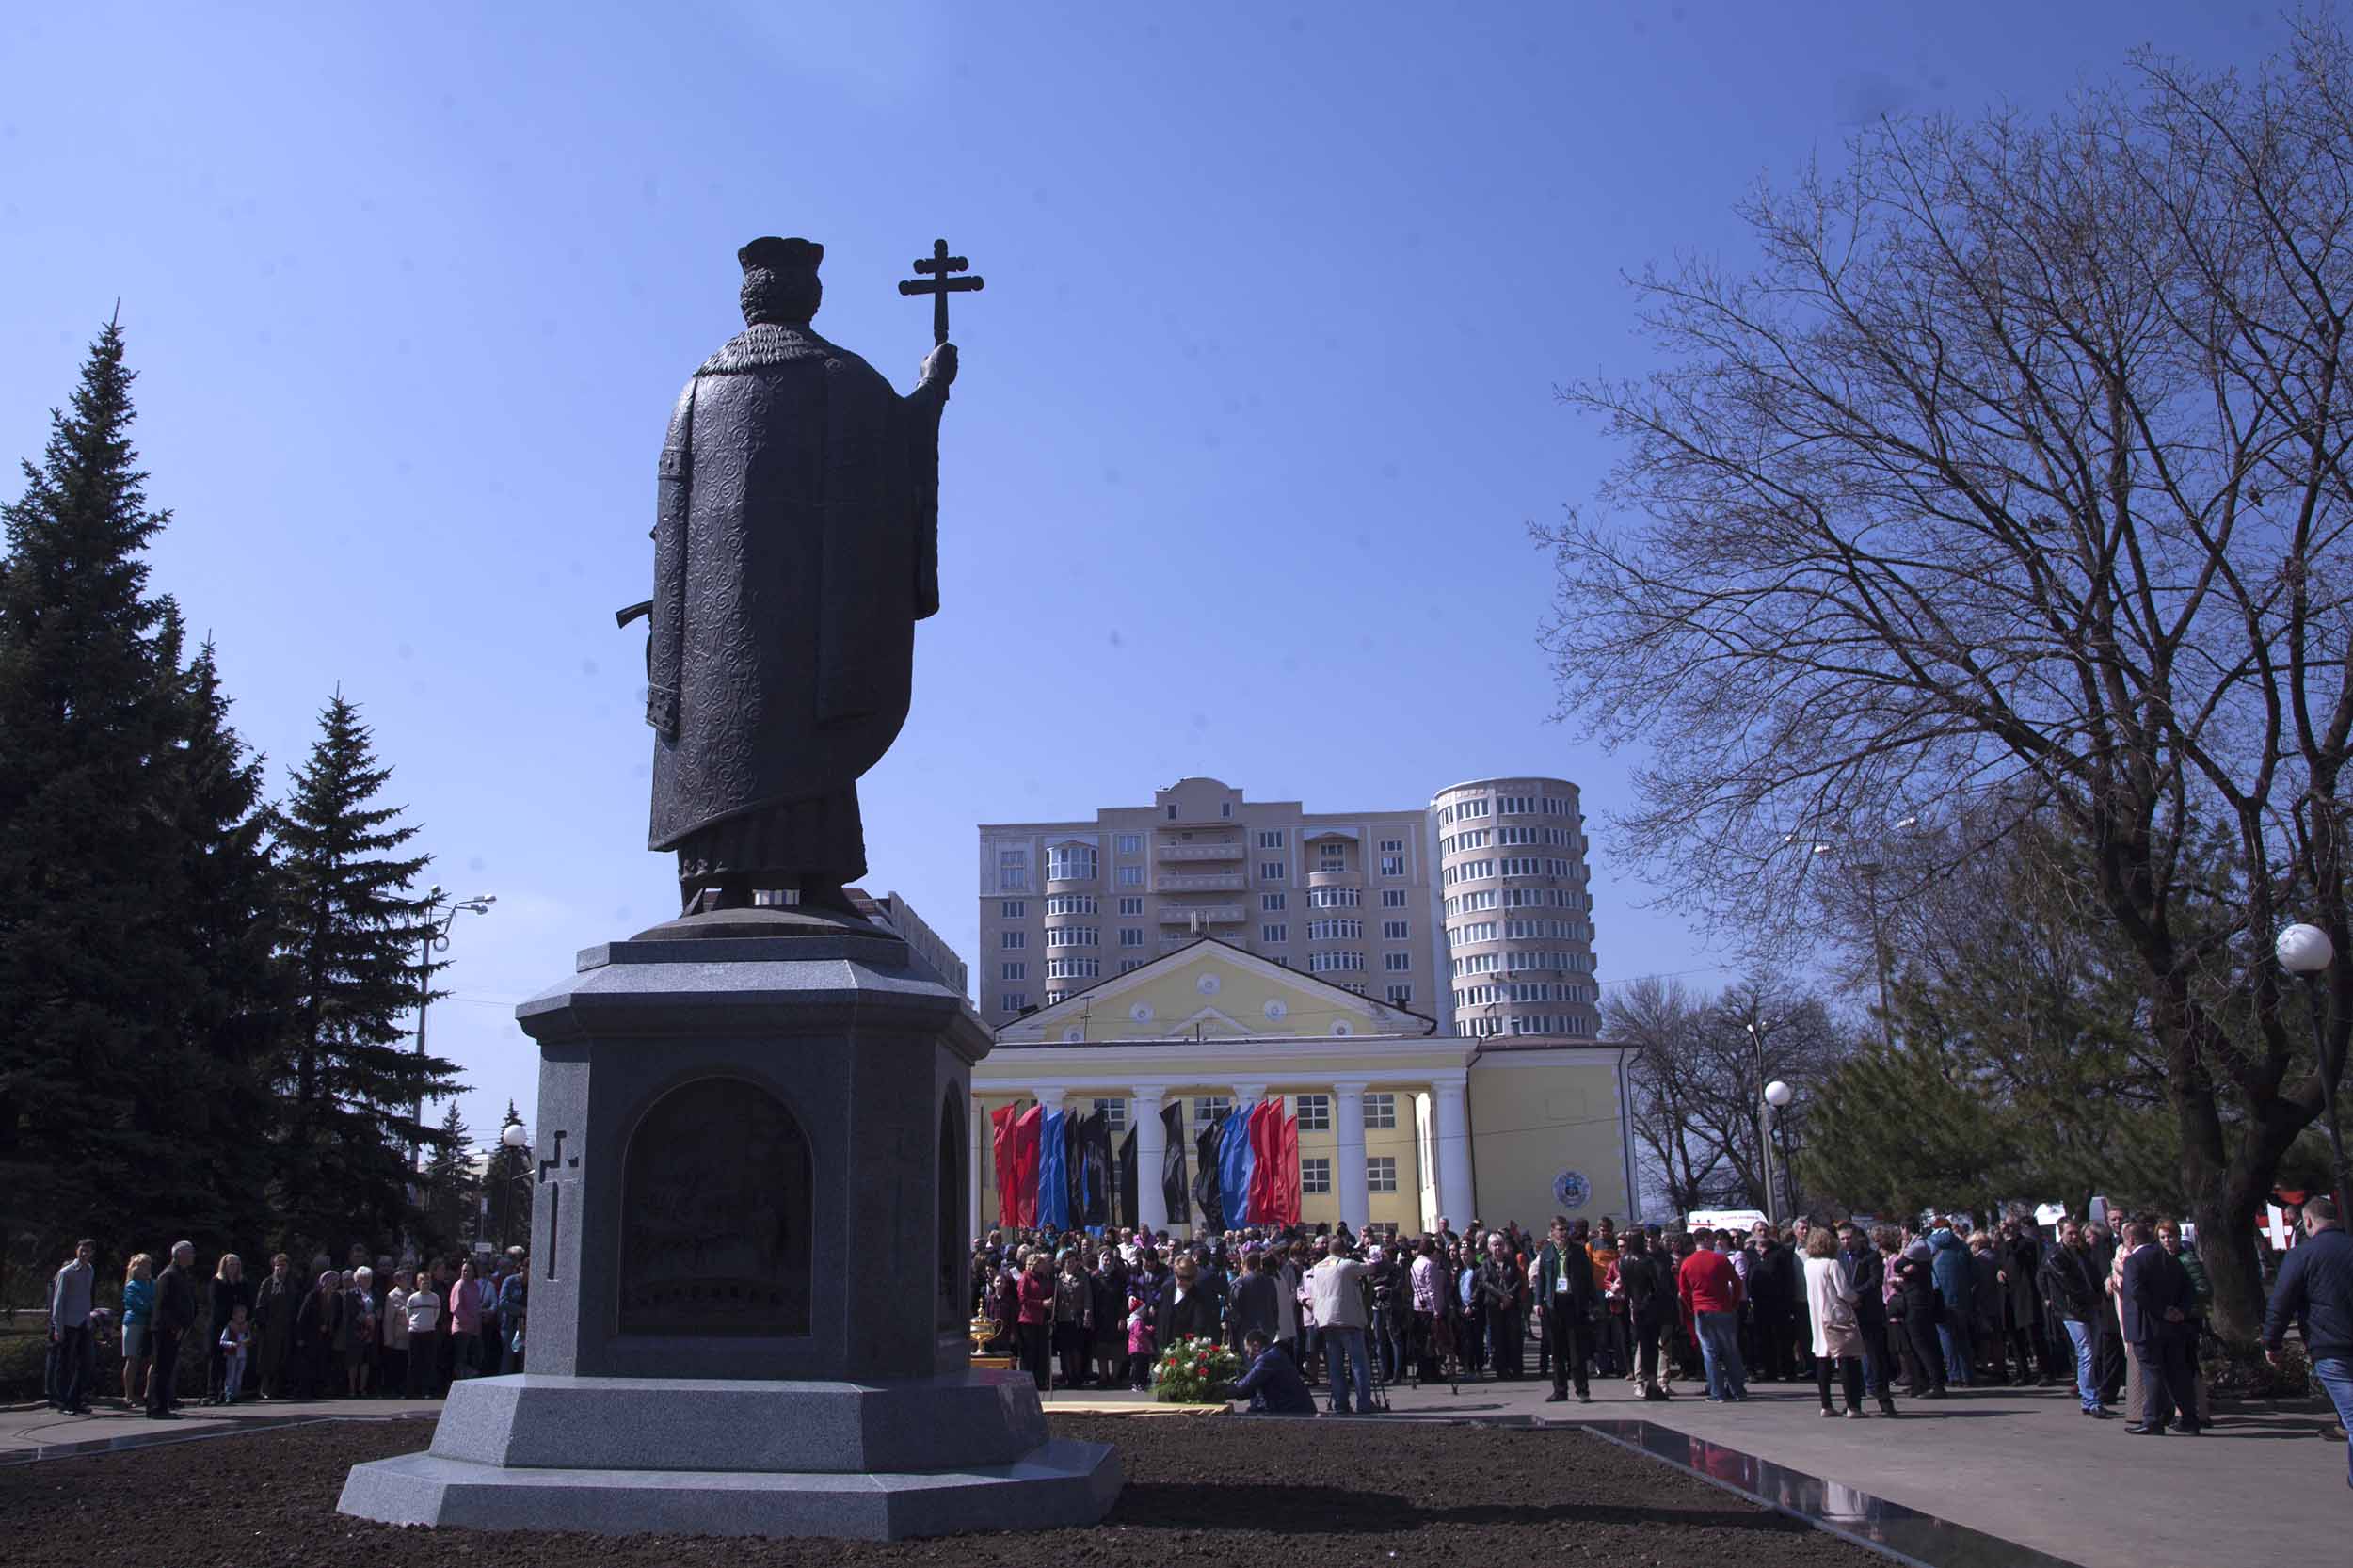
1053	1185
1236	1159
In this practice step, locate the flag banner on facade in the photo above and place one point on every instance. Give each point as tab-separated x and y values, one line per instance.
1128	1191
1095	1142
1027	1142
1236	1163
1266	1170
1205	1194
1074	1170
1000	1146
1286	1184
1053	1163
1175	1192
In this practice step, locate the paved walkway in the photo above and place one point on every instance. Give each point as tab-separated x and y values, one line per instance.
2022	1465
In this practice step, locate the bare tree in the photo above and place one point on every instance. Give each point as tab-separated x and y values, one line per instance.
1698	1076
2012	477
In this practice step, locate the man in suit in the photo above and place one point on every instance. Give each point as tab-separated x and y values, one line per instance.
2158	1303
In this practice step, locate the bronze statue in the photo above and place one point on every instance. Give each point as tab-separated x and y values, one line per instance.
795	547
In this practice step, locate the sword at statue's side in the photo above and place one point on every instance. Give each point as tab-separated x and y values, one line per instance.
939	286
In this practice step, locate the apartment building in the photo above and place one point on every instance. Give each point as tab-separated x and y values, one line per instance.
1360	899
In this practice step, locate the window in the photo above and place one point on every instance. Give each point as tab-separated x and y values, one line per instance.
1400	996
1379	1173
1053	997
1336	898
1071	903
1271	903
1131	844
1397	963
1211	1108
1392	898
1013	971
1331	963
1015	1002
1131	876
1275	933
1271	839
1115	1115
1132	906
1128	964
1392	846
1380	1113
1393	865
1336	931
1073	969
1269	871
1014	909
1396	931
1075	936
1315	1175
1224	807
1012	868
1131	936
1070	863
1014	938
1315	1113
1172	811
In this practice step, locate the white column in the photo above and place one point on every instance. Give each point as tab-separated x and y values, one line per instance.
1356	1201
1143	1104
1247	1094
1455	1197
983	1157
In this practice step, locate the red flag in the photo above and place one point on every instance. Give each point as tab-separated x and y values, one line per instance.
1266	1151
1025	1140
1287	1193
1000	1145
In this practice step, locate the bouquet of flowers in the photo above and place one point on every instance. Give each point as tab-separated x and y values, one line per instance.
1194	1370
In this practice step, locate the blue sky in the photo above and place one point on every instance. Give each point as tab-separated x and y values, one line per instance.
1257	401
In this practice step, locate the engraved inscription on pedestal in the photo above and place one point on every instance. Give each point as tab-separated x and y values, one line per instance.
717	1212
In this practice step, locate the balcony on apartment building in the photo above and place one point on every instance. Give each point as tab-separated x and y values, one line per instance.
1232	850
1203	882
1208	914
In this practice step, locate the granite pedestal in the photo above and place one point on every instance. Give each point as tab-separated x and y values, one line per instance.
748	1272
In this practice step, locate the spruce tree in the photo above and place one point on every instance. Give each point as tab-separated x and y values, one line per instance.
348	1079
450	1207
90	978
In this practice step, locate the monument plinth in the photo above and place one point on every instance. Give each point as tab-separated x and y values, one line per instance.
749	1309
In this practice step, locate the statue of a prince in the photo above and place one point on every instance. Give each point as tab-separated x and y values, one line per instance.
795	547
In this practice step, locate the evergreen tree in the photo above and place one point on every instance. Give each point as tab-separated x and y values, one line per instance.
224	912
452	1191
508	1193
352	943
92	980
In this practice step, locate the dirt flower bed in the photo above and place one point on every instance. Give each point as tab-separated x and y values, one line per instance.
1200	1490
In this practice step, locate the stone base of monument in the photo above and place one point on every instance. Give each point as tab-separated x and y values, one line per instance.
876	1461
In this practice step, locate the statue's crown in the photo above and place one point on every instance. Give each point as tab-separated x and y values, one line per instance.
771	254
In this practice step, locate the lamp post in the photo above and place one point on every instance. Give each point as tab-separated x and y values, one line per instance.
1764	1124
511	1136
2306	951
439	914
1777	1097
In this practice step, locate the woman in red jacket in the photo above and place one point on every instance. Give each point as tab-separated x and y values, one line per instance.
1037	1318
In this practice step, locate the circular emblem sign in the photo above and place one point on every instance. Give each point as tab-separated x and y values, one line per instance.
1570	1190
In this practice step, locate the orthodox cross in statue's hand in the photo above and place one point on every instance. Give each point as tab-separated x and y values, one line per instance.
939	286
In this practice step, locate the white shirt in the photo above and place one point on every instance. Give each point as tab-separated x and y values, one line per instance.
424	1310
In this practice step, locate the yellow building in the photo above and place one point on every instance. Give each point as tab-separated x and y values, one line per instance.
1399	1124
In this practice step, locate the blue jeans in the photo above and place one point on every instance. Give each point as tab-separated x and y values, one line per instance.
1720	1347
1348	1342
2087	1384
2335	1373
1955	1339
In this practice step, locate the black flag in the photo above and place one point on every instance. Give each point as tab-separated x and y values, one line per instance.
1175	1191
1074	1169
1207	1195
1095	1139
1128	1189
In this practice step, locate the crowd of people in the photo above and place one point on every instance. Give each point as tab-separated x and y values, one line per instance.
373	1329
1861	1313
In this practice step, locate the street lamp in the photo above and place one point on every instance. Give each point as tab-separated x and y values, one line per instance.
1777	1097
2306	951
439	914
512	1136
1765	1120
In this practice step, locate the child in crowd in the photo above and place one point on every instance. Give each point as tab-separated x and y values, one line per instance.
235	1339
1140	1344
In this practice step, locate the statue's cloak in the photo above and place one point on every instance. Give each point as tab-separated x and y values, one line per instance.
795	547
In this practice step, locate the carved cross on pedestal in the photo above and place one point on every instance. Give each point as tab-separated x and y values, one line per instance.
939	286
553	1171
